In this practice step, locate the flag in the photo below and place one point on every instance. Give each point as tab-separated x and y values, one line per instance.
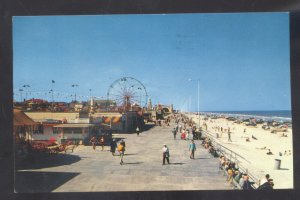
53	81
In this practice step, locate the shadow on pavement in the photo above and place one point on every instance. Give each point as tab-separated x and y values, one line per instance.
283	169
132	163
201	158
118	139
31	182
177	163
148	127
46	160
130	154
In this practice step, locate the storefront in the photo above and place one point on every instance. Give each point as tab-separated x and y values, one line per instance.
78	133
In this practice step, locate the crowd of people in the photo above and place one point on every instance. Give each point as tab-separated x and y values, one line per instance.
241	180
184	126
207	143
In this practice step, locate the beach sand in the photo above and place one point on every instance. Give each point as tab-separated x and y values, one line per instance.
260	163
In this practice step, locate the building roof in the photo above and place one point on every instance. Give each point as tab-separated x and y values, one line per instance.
74	125
21	119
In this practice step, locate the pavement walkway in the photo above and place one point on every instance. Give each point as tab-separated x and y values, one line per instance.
86	170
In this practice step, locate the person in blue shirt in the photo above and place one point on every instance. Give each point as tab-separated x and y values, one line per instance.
192	148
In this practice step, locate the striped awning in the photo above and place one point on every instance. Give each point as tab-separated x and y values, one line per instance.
74	125
113	119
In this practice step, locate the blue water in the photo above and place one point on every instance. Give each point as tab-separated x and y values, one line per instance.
284	115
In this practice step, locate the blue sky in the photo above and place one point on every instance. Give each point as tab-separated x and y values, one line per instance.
241	60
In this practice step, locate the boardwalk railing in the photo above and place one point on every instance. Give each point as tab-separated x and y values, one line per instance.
232	156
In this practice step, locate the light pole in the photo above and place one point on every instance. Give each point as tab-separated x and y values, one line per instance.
21	90
198	91
52	82
26	90
75	85
90	93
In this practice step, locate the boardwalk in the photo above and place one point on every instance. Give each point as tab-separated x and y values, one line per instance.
86	170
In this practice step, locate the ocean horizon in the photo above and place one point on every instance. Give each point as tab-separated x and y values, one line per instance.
280	114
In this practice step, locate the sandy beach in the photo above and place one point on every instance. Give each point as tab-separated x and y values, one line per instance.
259	162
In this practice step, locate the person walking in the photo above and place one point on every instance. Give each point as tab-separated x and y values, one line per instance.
102	142
123	143
121	149
229	135
187	135
93	141
180	128
113	146
174	133
166	154
192	149
137	131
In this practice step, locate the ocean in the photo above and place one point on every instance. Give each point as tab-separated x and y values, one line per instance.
281	115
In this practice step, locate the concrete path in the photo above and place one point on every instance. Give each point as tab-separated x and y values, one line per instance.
142	169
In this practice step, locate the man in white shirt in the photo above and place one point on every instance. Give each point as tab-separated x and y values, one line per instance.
166	154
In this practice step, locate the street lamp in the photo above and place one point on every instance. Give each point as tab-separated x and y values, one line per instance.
90	93
52	82
26	90
21	90
198	84
75	85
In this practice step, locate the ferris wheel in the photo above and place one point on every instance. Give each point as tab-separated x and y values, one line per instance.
126	92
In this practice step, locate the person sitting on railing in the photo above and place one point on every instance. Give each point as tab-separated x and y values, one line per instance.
267	185
241	180
212	150
230	173
207	143
226	166
221	161
238	176
264	179
247	185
